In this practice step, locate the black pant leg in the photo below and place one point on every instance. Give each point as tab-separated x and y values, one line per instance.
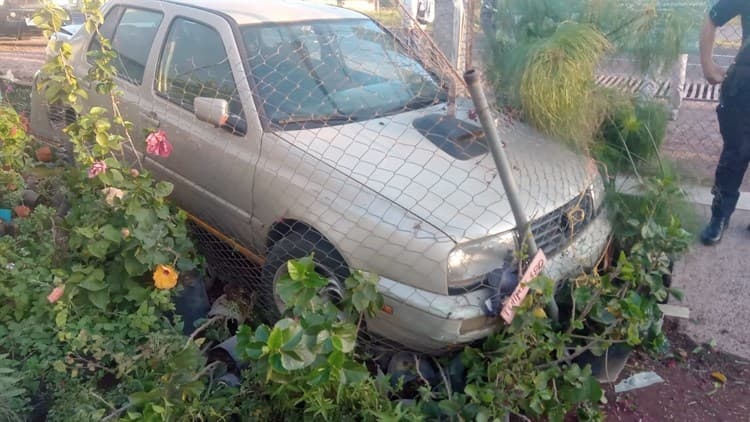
734	123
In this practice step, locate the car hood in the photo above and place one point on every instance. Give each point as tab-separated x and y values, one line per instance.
464	198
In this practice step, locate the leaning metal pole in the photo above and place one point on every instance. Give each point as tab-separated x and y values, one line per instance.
501	159
471	77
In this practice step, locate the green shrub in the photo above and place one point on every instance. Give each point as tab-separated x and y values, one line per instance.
556	90
631	136
544	55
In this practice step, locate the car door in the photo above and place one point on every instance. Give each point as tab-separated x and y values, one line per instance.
211	167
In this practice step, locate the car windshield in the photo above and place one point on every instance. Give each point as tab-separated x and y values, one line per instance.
334	72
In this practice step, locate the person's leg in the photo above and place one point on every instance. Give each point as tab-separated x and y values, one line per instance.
733	162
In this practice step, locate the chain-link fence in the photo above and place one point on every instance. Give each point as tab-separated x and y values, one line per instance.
305	129
661	65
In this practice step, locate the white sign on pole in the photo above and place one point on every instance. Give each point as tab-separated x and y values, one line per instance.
519	294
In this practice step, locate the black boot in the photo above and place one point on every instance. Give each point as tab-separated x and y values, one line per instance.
712	234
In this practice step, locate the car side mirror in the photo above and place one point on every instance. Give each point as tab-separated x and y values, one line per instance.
214	111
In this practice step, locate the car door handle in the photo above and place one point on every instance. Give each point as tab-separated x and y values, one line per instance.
151	119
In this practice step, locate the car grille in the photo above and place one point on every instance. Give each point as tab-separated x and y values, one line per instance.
555	230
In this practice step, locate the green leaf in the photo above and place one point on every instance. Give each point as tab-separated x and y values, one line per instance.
449	408
287	290
276	363
133	267
86	232
282	332
101	139
100	298
94	282
297	361
337	343
163	189
117	178
141	398
61	319
360	301
588	390
353	373
262	333
136	293
336	359
299	268
320	376
110	233
293	337
99	248
163	213
634	336
142	215
348	338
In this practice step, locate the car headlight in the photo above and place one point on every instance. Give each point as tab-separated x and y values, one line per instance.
470	262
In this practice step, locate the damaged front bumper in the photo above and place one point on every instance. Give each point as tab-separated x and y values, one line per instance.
433	323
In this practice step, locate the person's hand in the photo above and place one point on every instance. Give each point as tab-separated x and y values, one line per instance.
714	73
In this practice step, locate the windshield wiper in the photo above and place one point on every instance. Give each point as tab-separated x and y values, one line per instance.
421	102
312	118
415	103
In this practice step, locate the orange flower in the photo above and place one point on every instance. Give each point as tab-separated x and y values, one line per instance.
56	294
165	277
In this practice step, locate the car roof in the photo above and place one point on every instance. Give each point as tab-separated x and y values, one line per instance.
246	12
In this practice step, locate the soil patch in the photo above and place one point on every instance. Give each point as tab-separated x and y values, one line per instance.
691	391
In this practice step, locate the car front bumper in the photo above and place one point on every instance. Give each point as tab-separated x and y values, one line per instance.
432	323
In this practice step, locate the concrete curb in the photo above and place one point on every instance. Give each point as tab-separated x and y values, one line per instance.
699	195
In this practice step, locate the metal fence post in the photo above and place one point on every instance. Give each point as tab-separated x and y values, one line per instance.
501	159
471	77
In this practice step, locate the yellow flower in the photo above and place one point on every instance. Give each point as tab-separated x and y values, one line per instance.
539	313
165	277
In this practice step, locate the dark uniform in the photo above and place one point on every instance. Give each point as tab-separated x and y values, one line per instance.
734	122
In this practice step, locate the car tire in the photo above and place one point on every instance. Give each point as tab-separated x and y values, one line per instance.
328	262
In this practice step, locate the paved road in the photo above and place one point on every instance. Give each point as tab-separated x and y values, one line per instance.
716	283
23	58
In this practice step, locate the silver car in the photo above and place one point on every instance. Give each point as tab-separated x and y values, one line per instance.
303	128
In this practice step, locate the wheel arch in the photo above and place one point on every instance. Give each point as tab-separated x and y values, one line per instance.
287	226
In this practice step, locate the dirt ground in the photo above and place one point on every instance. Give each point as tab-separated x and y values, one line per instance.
692	391
23	58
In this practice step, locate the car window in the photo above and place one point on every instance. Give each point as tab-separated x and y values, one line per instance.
132	40
334	72
194	63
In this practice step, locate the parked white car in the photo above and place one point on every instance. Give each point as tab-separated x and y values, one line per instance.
303	128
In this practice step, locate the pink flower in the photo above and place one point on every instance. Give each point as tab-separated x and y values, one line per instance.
157	144
56	294
97	168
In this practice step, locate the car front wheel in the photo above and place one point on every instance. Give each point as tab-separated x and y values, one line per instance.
328	263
